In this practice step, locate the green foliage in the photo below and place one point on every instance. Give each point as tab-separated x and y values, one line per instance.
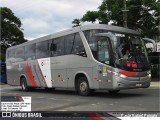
76	22
11	32
112	9
2	57
143	15
90	16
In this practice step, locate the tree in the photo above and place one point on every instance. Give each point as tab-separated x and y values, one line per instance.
11	31
143	15
90	16
76	22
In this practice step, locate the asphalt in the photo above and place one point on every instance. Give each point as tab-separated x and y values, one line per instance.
146	99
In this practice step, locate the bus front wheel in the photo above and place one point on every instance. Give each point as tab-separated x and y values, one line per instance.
24	84
83	86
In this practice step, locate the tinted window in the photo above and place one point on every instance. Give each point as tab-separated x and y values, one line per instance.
11	55
78	47
57	47
30	52
74	45
69	43
103	50
19	54
130	52
98	45
42	50
90	36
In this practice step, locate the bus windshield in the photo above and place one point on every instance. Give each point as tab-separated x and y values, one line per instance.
130	52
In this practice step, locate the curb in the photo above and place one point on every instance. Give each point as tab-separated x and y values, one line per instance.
155	84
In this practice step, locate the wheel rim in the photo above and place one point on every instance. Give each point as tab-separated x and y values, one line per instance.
83	86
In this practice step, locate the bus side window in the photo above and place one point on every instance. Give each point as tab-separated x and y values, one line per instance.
74	45
53	47
30	52
19	54
89	34
42	49
57	47
103	50
69	42
11	55
78	47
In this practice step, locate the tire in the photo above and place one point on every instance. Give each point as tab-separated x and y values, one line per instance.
83	87
24	84
113	91
49	89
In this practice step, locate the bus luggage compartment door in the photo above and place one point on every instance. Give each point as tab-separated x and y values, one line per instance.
58	71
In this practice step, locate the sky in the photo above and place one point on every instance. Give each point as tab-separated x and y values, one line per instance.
43	17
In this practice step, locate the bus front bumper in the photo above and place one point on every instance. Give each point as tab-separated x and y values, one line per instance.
130	82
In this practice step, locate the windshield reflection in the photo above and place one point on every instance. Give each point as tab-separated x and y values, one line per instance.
131	52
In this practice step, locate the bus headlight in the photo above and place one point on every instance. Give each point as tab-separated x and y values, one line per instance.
122	76
149	75
115	73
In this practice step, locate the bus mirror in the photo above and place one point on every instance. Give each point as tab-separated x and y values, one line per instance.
53	47
150	43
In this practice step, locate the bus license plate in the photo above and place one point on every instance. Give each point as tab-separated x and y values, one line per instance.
138	85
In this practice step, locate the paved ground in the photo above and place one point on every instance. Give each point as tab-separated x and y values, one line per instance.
66	100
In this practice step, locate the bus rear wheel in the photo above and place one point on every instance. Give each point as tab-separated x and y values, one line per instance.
24	84
49	89
83	86
113	91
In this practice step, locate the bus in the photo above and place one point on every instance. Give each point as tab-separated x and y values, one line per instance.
153	49
84	58
3	76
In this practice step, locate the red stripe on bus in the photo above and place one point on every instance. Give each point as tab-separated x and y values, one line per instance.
30	75
42	75
127	73
94	116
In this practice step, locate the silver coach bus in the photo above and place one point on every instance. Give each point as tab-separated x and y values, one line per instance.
85	58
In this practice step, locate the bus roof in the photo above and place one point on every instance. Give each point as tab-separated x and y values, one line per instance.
81	28
109	28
